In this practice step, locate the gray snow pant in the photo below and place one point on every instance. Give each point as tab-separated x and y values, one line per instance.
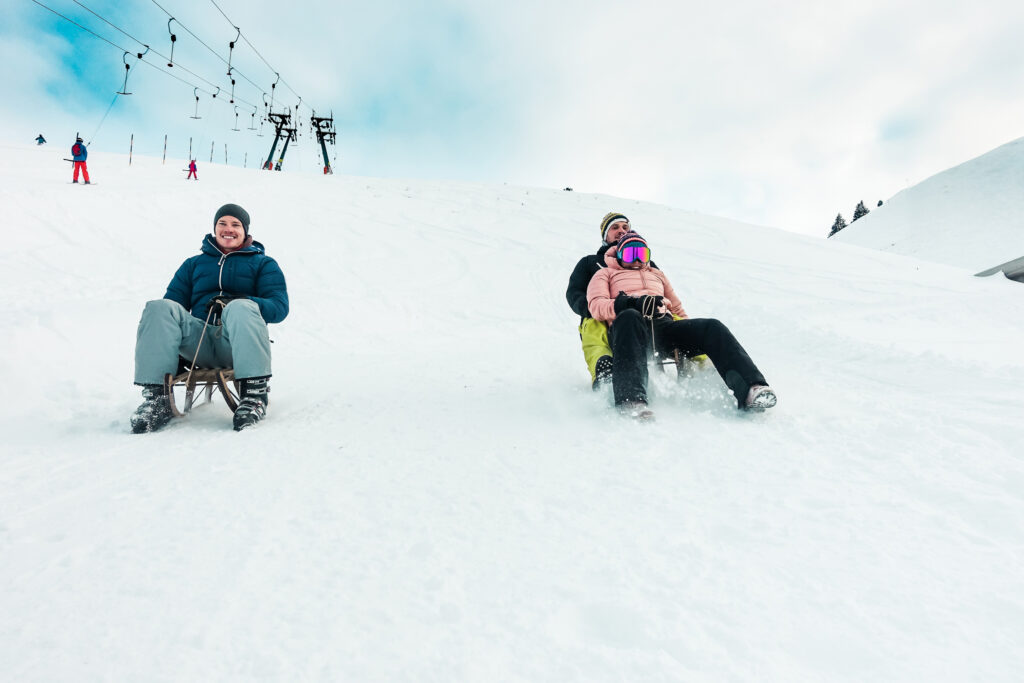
167	331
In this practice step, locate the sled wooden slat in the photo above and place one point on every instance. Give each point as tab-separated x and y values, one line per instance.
205	380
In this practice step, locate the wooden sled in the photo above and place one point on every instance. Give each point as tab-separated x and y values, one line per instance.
203	379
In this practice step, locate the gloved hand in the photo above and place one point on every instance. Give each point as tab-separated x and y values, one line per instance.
624	302
646	304
218	303
649	305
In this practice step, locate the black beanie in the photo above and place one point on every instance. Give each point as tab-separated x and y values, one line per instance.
235	211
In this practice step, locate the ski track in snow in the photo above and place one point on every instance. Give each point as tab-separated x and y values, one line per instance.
438	495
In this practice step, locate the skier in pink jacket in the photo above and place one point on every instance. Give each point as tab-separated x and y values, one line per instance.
638	303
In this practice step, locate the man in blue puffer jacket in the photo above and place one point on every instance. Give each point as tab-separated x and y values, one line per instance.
224	296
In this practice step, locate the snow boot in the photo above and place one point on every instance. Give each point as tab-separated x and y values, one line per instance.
602	372
253	404
636	410
155	411
760	398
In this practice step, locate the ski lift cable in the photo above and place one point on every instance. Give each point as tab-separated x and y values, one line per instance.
169	59
143	61
200	40
72	21
148	48
226	17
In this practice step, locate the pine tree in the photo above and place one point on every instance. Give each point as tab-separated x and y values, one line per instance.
860	211
838	225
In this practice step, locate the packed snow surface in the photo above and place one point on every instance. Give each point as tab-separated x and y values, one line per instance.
970	216
437	494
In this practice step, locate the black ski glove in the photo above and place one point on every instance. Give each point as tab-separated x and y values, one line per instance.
624	302
646	304
649	305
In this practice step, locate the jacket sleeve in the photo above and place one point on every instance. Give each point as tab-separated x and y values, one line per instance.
576	293
271	292
599	299
675	306
180	289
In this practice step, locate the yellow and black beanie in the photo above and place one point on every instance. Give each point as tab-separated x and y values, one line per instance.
608	220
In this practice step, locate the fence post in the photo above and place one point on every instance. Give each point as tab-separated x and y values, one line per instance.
225	154
190	149
131	146
211	151
165	148
245	160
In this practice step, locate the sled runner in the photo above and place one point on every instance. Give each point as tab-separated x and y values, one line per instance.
203	379
684	366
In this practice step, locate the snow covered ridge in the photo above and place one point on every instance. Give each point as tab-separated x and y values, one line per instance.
437	495
971	215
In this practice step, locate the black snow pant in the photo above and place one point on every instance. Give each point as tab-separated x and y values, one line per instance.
630	337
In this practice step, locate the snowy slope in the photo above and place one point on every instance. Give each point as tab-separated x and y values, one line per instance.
436	493
971	215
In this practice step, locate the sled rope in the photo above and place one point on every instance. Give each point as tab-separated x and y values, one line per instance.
192	367
647	311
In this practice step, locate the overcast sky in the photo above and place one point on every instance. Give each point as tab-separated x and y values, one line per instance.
781	115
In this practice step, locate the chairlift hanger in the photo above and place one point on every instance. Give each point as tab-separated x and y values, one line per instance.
127	68
174	39
236	118
272	86
231	48
195	91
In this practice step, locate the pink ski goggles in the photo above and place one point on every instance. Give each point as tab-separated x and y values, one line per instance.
631	254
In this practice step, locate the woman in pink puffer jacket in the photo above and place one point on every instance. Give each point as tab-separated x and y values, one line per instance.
637	301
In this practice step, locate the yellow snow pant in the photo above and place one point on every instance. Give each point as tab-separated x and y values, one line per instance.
594	335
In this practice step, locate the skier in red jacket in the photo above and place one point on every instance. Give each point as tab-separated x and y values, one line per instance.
78	155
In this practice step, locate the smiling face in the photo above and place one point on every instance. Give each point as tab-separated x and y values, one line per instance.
615	231
229	233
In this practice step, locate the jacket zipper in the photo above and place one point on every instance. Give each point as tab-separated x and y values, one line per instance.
220	264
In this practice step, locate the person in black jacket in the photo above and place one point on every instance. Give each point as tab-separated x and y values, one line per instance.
594	333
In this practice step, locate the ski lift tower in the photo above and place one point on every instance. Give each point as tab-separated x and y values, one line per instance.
281	126
324	126
289	136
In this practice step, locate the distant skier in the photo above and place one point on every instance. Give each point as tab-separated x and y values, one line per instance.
638	303
218	302
192	170
40	140
79	154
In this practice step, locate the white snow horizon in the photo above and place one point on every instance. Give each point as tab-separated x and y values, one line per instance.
436	494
